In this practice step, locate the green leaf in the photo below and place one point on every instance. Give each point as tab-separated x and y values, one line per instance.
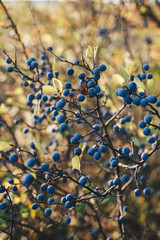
39	146
89	51
49	90
151	85
4	146
136	141
138	82
124	75
57	85
37	109
54	64
76	162
4	139
117	79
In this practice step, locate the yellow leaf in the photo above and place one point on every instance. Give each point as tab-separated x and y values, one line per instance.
89	51
118	79
37	109
151	85
76	162
49	90
18	91
57	85
95	49
4	146
138	82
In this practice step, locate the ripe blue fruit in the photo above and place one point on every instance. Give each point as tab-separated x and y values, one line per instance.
32	144
147	191
107	164
116	181
137	192
91	151
158	103
25	130
127	118
60	118
8	60
152	99
27	179
132	78
97	155
136	101
77	151
114	163
122	121
50	200
5	195
144	156
147	119
31	162
49	48
102	148
56	156
66	92
126	150
13	158
9	69
14	188
50	189
61	103
96	89
68	85
44	166
40	197
69	197
67	220
44	98
63	127
80	97
90	84
109	238
82	181
127	99
70	71
34	64
143	102
141	124
125	178
96	128
96	71
121	218
11	181
143	76
47	212
125	208
3	206
68	204
34	206
63	200
151	139
146	131
132	86
102	67
70	238
43	187
146	67
122	92
143	178
110	183
149	76
81	75
116	128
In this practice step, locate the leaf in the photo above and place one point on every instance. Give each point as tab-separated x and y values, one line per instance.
4	139
54	64
130	66
118	79
136	141
49	90
18	91
39	146
76	163
138	82
37	109
57	85
89	51
124	74
151	85
4	146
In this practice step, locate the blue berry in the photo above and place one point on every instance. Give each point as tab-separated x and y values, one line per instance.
63	200
34	206
31	162
70	71
44	167
147	119
137	192
83	181
126	150
9	69
68	204
27	179
61	103
143	76
116	128
102	148
149	76
67	220
102	67
50	189
80	97
68	85
127	99
81	75
13	158
116	181
143	102
147	191
11	181
66	92
114	163
144	156
63	127
141	124
132	86
151	139
97	155
50	200
152	99
56	156
60	118
14	188
69	197
3	206
146	67
125	178
40	197
77	151
136	101
146	131
47	212
32	144
125	208
96	128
